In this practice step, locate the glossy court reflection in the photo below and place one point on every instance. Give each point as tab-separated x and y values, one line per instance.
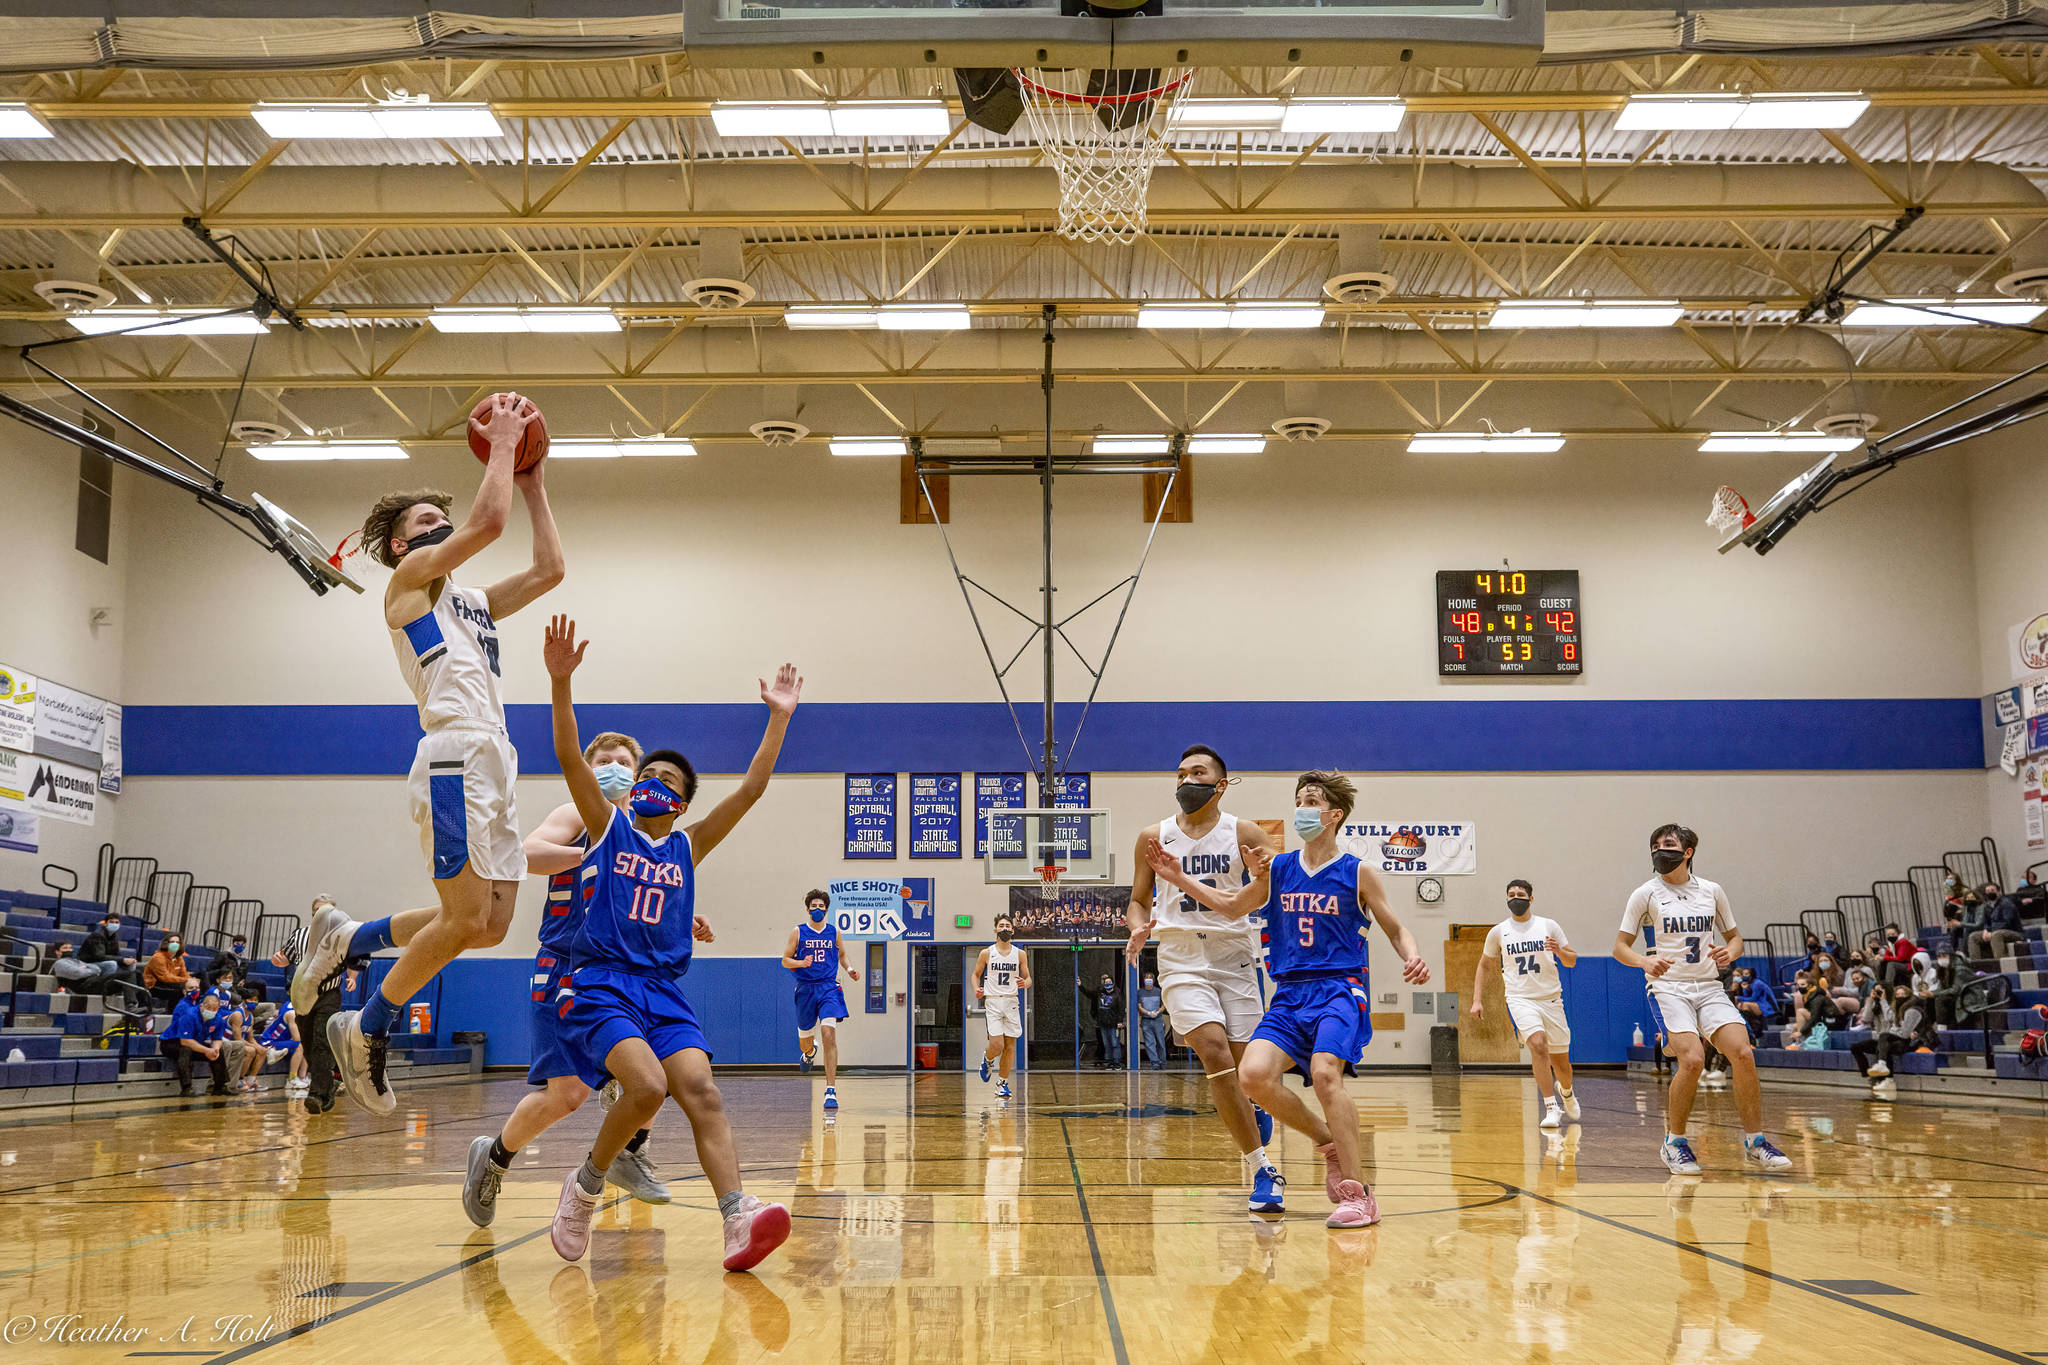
1093	1217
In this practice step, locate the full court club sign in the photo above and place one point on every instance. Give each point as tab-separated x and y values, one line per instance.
1413	848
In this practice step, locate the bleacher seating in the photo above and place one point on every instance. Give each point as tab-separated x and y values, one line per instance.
66	1055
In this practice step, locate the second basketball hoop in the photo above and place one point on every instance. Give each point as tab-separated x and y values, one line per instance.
1104	140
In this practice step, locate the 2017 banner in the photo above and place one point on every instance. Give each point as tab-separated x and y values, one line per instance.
1413	848
935	815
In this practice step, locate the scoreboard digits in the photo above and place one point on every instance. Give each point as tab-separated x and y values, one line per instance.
1508	621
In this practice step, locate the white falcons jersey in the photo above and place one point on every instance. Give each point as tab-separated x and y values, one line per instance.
1688	920
1213	860
450	659
1528	969
1004	971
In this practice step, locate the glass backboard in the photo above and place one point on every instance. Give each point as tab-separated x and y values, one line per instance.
1022	842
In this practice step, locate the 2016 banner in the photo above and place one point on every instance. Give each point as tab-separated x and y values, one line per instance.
870	815
1413	848
935	815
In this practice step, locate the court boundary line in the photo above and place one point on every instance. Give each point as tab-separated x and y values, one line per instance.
1116	1330
1946	1334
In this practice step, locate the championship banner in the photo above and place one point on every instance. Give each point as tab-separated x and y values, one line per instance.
17	710
997	791
1076	912
882	907
1413	848
110	752
46	787
70	725
1075	790
935	815
870	815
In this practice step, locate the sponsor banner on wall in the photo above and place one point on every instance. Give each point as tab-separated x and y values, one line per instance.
17	709
70	725
998	791
20	830
882	907
2034	697
935	815
2032	808
870	815
1413	848
1093	912
2037	734
110	752
2029	640
2014	748
46	787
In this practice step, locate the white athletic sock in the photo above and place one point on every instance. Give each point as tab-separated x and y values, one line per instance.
1258	1159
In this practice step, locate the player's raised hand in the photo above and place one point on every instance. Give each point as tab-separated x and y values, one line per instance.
700	930
505	423
782	696
1162	863
560	650
1415	971
1257	860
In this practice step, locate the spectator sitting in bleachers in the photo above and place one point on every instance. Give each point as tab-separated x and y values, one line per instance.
1999	929
70	972
1813	1004
1832	946
1827	969
236	959
1895	967
194	1031
1756	1002
1900	1023
166	974
1943	982
103	951
1863	984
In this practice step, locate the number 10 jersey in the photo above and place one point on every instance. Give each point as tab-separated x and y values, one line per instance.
643	902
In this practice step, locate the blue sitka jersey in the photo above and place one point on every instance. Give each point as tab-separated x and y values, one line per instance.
280	1031
642	902
1314	923
562	915
820	947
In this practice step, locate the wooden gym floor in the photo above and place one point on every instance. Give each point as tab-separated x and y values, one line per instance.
1096	1218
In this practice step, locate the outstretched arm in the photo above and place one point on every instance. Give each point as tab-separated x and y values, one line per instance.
1230	904
550	848
508	595
561	653
710	832
1372	894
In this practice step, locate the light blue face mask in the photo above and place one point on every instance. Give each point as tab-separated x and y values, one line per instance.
614	780
1308	822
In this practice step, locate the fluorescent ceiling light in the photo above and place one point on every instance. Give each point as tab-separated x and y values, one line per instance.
1954	312
816	118
1249	443
1130	445
1234	315
195	322
360	119
1492	442
869	445
1585	313
1348	115
895	317
1773	442
507	320
1247	113
608	448
1679	113
18	120
329	450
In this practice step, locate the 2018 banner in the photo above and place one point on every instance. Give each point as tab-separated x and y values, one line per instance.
1413	848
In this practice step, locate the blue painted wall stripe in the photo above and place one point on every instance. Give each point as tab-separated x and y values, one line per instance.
1359	736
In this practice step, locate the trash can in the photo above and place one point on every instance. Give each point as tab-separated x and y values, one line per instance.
927	1056
1443	1049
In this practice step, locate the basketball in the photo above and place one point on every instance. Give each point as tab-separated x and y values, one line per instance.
533	445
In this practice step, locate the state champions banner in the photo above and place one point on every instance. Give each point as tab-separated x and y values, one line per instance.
1413	848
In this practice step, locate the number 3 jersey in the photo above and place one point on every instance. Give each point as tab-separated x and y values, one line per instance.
642	905
1688	920
1528	968
1314	923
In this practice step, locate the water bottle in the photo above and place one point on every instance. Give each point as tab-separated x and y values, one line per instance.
1638	1039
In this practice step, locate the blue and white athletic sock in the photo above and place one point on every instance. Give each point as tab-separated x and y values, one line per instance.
370	937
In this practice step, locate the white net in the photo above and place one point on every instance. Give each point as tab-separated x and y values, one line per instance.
1729	512
1103	141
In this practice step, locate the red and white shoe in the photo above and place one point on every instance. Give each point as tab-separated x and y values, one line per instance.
1356	1208
1332	1176
754	1231
571	1231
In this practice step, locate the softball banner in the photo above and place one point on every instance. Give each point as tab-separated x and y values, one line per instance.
1413	848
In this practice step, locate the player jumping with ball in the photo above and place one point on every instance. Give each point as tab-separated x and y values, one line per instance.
463	773
1687	912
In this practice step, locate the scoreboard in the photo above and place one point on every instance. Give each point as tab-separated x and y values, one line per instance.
1508	621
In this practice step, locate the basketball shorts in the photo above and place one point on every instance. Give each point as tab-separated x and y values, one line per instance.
1319	1014
1210	979
607	1007
461	788
819	1001
1005	1016
1700	1007
1545	1016
551	996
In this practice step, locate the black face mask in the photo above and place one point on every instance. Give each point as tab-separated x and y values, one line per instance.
1192	796
433	537
1666	859
1003	934
1518	905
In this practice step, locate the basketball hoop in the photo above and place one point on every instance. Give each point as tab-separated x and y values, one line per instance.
1049	882
1729	512
348	554
1104	142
